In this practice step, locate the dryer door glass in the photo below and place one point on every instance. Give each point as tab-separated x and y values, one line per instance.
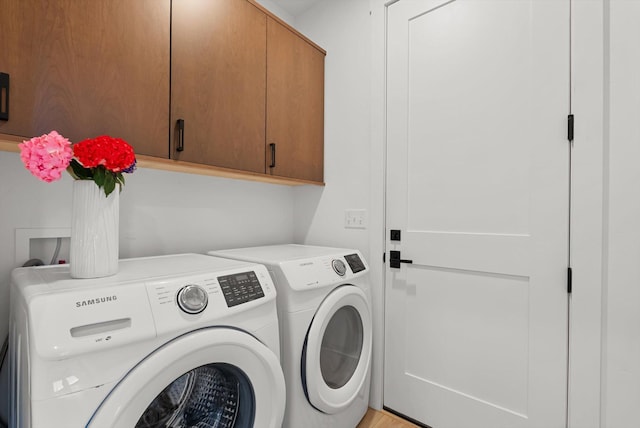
214	395
341	347
337	351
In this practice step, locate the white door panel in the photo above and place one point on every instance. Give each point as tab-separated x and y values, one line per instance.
477	182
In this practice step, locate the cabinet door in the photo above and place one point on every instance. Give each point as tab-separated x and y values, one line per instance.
295	105
218	73
88	68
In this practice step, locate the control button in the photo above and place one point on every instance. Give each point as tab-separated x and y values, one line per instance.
192	299
339	267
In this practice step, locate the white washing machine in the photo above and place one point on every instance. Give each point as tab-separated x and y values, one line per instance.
173	341
325	330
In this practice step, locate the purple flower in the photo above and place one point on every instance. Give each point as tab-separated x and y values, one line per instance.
131	168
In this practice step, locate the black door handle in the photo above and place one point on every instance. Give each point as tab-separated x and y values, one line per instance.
395	260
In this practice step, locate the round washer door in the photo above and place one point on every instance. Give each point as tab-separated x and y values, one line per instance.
337	352
215	377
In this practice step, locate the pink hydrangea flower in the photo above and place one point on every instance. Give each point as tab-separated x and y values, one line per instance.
46	156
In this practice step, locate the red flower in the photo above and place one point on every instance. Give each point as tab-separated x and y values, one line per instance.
114	154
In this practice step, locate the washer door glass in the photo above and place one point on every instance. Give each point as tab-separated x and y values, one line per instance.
341	347
337	355
213	396
215	377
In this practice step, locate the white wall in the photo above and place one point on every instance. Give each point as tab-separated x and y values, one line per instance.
160	213
277	10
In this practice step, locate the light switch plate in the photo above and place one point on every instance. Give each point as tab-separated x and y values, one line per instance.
355	219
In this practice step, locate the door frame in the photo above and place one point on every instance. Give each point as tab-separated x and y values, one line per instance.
587	205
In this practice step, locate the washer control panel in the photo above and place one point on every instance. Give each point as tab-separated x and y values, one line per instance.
240	288
192	299
208	297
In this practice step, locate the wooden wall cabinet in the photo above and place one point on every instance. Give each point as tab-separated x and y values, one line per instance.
247	88
88	68
295	105
218	73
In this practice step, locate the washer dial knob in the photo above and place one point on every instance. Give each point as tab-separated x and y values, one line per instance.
339	267
192	299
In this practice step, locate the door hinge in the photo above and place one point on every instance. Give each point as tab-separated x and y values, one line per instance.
569	280
570	128
384	257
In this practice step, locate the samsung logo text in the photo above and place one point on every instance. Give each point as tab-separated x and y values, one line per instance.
96	301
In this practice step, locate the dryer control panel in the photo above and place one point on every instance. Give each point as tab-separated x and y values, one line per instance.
355	262
324	271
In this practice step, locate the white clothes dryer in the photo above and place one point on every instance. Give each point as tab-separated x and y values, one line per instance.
172	341
325	329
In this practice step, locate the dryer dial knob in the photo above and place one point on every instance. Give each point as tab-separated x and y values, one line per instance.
192	299
339	267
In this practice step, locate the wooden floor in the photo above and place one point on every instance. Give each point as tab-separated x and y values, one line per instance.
383	419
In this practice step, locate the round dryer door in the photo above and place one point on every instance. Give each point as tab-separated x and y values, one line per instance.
337	353
216	377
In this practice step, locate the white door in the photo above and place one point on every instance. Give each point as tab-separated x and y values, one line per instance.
211	377
478	185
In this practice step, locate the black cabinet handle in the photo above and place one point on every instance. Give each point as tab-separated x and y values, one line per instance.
272	147
180	146
4	96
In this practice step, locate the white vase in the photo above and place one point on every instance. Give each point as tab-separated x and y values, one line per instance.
93	251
